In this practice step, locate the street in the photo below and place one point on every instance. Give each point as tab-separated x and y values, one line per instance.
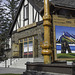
11	70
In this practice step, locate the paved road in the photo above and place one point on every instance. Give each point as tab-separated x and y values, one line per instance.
11	70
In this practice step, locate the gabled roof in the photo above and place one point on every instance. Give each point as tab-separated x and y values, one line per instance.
65	3
37	4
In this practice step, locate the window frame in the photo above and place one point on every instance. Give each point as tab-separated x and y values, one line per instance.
28	45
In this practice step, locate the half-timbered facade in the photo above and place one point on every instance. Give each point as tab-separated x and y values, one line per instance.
27	15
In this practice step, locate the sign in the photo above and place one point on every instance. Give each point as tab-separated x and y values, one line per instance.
62	21
64	38
15	48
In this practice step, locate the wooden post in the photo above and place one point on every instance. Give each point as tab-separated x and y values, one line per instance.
46	52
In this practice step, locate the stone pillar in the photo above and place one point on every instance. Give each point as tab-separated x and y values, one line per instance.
46	46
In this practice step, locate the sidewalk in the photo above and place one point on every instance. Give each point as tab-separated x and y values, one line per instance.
11	70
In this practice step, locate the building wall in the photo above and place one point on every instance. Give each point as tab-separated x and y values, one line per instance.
36	31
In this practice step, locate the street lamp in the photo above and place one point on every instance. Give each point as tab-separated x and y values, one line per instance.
46	47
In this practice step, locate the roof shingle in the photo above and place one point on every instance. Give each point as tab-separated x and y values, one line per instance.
65	3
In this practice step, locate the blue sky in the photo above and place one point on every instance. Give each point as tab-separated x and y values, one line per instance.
3	1
60	29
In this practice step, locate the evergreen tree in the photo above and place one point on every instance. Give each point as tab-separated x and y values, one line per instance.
11	9
2	21
7	14
12	6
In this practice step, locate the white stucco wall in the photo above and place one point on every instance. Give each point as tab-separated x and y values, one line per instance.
30	16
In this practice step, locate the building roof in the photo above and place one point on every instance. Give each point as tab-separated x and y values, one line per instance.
65	3
62	4
37	4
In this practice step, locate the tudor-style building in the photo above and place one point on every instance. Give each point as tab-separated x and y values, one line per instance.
27	29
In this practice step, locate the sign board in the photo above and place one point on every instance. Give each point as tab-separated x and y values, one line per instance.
15	48
64	38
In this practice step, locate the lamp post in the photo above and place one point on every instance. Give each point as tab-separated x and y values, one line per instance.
46	47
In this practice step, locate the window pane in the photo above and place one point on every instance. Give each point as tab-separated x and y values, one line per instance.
25	49
30	49
26	12
30	38
21	40
25	39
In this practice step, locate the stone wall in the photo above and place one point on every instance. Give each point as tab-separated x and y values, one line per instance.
42	73
36	31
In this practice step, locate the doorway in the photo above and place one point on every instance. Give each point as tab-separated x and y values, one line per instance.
21	50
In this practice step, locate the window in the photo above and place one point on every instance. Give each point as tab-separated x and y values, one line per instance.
30	48
27	47
30	38
25	39
26	12
25	50
21	40
26	15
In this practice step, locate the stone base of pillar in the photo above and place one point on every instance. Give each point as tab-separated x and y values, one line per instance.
49	69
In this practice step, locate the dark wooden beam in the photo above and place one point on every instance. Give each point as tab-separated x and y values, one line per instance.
23	15
28	12
20	19
33	14
16	26
38	17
